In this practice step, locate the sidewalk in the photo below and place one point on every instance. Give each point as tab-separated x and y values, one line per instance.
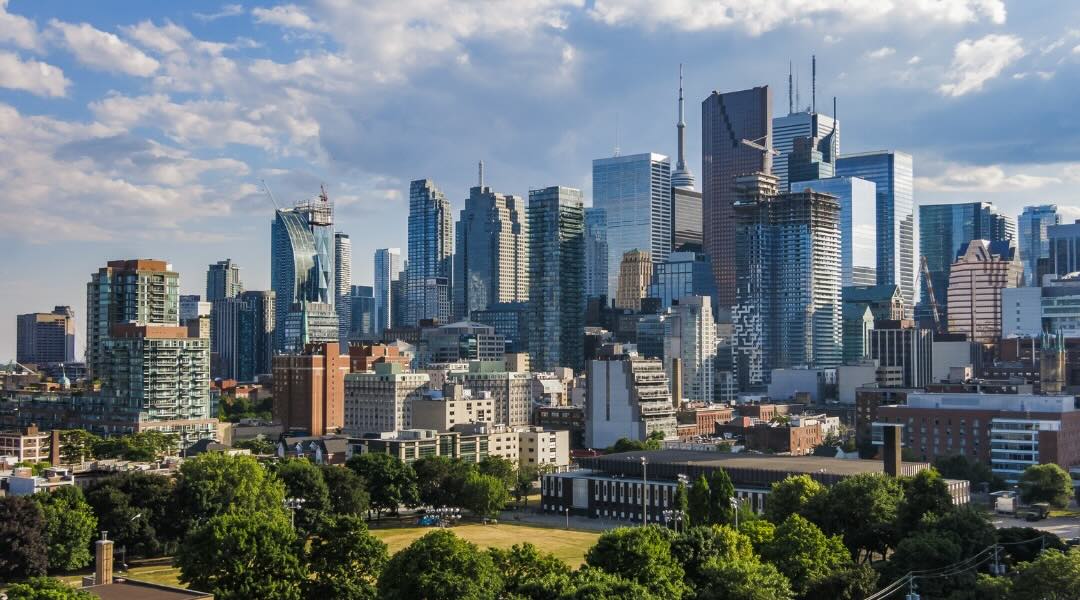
530	516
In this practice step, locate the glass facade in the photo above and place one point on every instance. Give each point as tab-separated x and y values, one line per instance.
1033	228
795	125
491	263
387	267
858	225
429	272
556	276
682	274
596	253
685	220
635	193
893	175
1065	248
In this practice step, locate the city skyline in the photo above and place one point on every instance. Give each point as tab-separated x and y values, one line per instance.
153	120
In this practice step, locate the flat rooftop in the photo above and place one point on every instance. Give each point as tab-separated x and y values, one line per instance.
126	589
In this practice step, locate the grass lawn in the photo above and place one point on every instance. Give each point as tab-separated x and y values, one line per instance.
160	574
568	545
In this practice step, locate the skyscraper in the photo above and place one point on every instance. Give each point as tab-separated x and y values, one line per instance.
1064	248
46	338
635	193
243	336
223	280
596	253
1034	224
945	230
736	135
892	174
343	285
682	274
635	273
803	124
788	258
976	279
361	301
690	336
682	177
858	225
387	268
431	250
556	277
491	262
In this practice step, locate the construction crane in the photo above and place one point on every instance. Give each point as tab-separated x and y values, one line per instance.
266	189
758	145
935	311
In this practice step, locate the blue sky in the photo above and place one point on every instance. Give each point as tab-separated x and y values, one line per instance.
142	129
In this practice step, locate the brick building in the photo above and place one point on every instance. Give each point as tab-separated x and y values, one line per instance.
309	389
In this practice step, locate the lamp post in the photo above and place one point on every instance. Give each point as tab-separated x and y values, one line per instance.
447	515
566	509
674	515
293	504
735	506
644	491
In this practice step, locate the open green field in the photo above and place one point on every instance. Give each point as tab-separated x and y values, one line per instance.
568	545
160	574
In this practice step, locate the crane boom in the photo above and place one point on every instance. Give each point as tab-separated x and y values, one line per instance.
266	189
757	145
935	311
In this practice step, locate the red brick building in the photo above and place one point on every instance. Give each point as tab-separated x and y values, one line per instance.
309	389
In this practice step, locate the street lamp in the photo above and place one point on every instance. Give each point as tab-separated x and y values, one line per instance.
674	515
566	509
735	505
293	504
447	515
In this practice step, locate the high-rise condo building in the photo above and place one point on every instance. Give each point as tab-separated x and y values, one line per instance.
976	279
1034	238
491	262
387	268
223	280
556	276
788	257
429	272
361	300
343	285
736	139
894	180
690	336
1064	248
635	193
635	273
242	337
137	292
46	338
802	124
596	253
945	230
858	225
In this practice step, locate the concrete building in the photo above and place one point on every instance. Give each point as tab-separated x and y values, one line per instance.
862	307
26	444
814	385
443	410
44	338
544	448
491	262
510	391
1021	312
976	280
460	342
429	270
343	286
309	389
952	353
223	280
1034	238
627	397
364	357
858	226
557	278
635	273
381	401
850	377
690	337
387	269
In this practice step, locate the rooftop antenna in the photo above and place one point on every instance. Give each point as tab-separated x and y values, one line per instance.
266	188
813	83
797	101
481	174
616	134
790	101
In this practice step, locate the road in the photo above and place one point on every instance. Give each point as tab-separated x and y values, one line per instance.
1063	527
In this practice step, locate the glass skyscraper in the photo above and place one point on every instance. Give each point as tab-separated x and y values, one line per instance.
635	193
858	225
1064	248
596	253
491	262
682	274
799	125
944	233
429	272
556	276
1033	228
387	267
893	174
302	275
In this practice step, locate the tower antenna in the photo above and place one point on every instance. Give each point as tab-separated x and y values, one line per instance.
790	101
813	83
798	102
481	174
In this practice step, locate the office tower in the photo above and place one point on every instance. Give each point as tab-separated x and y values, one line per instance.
399	301
682	274
491	262
862	306
387	268
858	225
945	230
596	253
976	279
361	325
556	276
788	276
894	180
256	334
343	285
381	401
192	306
1034	239
635	273
810	158
138	292
431	249
1064	248
511	321
903	350
690	336
459	342
736	136
309	389
635	194
626	397
302	274
685	220
650	335
803	124
223	280
45	338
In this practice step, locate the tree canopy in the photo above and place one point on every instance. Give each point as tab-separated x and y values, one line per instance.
805	555
345	560
863	509
22	537
1046	483
641	554
1053	575
347	491
213	484
69	527
440	566
304	481
46	588
794	495
138	511
391	482
484	495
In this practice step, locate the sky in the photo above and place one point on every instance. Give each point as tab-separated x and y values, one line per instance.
144	129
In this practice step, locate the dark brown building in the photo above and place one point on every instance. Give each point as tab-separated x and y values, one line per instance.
309	389
363	357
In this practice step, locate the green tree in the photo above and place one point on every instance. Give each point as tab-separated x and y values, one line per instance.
348	491
760	532
213	484
852	582
242	555
69	526
721	492
680	501
695	547
967	526
25	552
390	481
257	445
144	446
958	466
925	493
795	495
138	511
641	554
742	579
77	445
440	566
523	483
863	510
988	587
698	510
502	468
440	479
596	584
523	565
804	554
303	480
1046	483
484	495
1023	544
1053	575
928	550
345	559
46	588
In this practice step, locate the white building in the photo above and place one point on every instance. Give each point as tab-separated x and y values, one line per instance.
1021	312
627	397
690	335
381	401
544	448
510	391
785	383
454	405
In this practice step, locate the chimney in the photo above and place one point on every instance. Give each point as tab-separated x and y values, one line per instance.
103	560
676	382
891	453
54	448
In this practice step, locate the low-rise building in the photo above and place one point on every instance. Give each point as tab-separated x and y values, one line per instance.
25	444
454	405
381	401
23	482
544	448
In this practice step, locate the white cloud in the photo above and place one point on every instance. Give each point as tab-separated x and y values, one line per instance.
102	50
914	60
883	52
17	30
759	16
991	178
285	15
32	76
977	61
228	10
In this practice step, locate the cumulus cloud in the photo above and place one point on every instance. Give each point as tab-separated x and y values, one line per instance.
882	52
285	15
102	50
977	61
759	16
228	10
32	76
17	30
987	178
